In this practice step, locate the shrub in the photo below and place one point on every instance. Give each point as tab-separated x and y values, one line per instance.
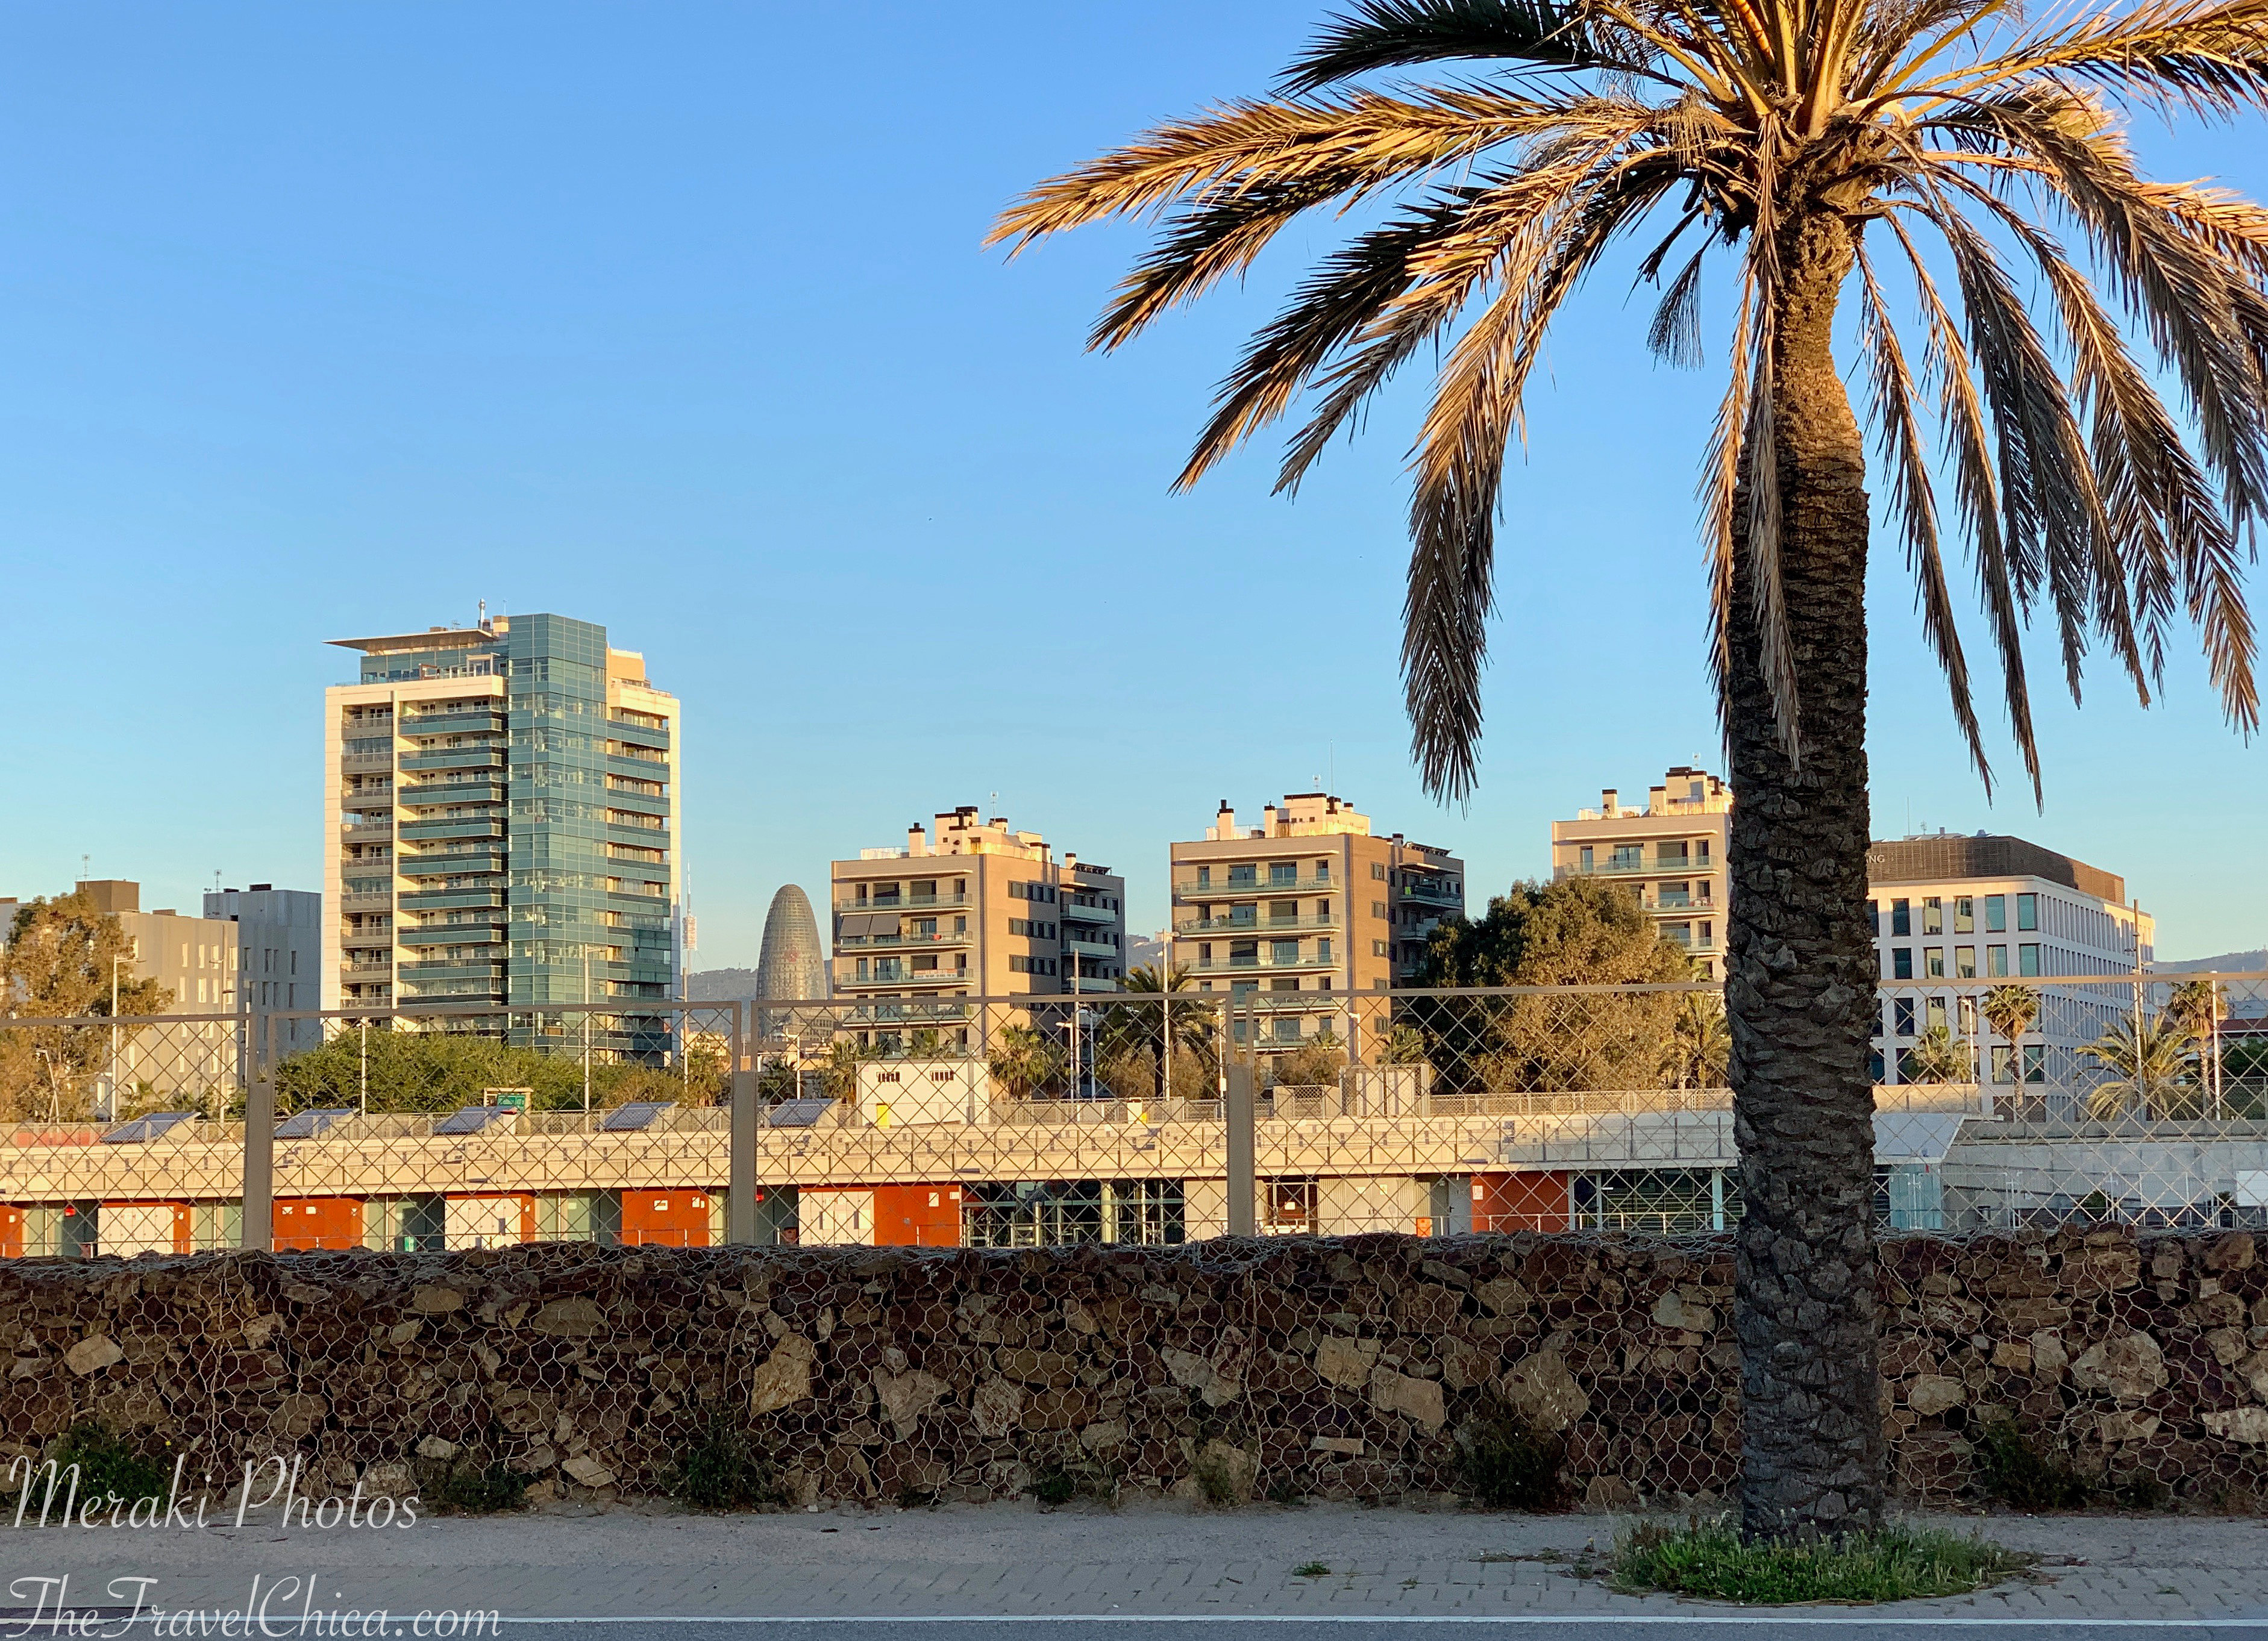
1709	1559
1504	1464
474	1490
1055	1487
2011	1470
721	1469
109	1466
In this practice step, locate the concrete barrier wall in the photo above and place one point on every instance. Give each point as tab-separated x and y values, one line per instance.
1295	1367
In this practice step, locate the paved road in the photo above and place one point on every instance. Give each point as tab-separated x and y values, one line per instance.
1149	1571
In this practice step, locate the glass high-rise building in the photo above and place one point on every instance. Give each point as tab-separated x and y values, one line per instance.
500	826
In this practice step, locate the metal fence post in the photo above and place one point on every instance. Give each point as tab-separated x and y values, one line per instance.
257	1229
740	1193
1238	1102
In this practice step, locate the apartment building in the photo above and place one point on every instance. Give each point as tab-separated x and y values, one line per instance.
1969	912
197	960
1671	852
1309	901
279	939
972	907
501	824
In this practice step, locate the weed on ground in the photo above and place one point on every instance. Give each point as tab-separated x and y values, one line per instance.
1708	1559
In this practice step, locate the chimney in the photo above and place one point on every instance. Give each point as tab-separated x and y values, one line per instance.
917	840
1224	824
1608	805
1268	822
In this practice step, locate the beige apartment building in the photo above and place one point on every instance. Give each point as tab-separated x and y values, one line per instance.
1671	853
1309	901
972	907
500	823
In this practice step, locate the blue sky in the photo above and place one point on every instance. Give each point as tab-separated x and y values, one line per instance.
322	320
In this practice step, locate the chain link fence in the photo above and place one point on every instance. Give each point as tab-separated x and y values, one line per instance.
1118	1118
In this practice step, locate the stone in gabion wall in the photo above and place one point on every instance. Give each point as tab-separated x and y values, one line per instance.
1296	1367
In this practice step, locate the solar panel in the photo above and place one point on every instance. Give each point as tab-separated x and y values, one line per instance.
311	1124
471	1120
144	1128
633	1116
796	1113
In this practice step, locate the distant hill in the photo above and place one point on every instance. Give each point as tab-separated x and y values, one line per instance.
720	985
2227	963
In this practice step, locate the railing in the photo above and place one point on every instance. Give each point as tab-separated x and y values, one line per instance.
1657	867
946	938
1213	966
902	903
1244	887
1255	925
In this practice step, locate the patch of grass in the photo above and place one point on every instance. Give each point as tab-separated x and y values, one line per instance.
109	1465
1311	1570
1708	1559
2142	1492
1504	1464
1055	1487
1217	1482
474	1489
2014	1472
721	1469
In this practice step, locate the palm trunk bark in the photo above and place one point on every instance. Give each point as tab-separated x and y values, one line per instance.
1799	978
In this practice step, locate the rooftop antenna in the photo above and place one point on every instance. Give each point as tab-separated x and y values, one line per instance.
85	867
485	613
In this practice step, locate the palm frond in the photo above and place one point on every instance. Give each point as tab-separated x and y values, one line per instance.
2206	58
1537	34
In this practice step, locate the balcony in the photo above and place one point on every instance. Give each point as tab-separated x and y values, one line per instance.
963	938
366	763
658	733
480	932
910	902
1699	865
1239	889
1090	948
1248	926
455	758
475	723
365	831
1222	964
1074	912
430	900
435	862
1434	891
458	826
359	973
375	903
907	977
431	794
379	936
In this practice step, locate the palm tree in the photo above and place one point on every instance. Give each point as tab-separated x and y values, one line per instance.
1937	1056
2010	1010
1701	1044
2152	1066
1777	132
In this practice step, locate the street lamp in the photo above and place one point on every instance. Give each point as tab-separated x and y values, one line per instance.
110	1078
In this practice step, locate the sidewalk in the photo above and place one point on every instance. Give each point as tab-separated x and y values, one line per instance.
1017	1560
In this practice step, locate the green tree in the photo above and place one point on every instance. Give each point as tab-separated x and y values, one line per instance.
1816	144
1938	1057
1026	1063
1139	1025
1578	932
59	963
2154	1070
2011	1010
1316	1061
1701	1043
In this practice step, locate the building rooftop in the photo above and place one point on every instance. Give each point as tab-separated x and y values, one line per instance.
1947	855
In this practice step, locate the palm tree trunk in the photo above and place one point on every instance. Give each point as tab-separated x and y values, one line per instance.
1799	978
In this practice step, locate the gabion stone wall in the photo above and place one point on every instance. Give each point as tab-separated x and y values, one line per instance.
1291	1368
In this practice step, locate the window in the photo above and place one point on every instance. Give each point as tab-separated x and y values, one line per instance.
924	964
1995	914
1378	871
1996	961
1204	876
1587	858
1875	917
1671	856
1244	953
1875	1065
1245	875
2004	1070
2036	1062
1322	951
1628	857
1378	909
1283	953
1965	914
1933	914
1378	948
1902	1017
1285	871
1933	1014
1902	962
2028	959
1322	871
1965	963
1933	962
2027	913
1901	918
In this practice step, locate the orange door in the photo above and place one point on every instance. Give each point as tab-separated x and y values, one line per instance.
11	1232
917	1216
668	1217
306	1223
1520	1201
